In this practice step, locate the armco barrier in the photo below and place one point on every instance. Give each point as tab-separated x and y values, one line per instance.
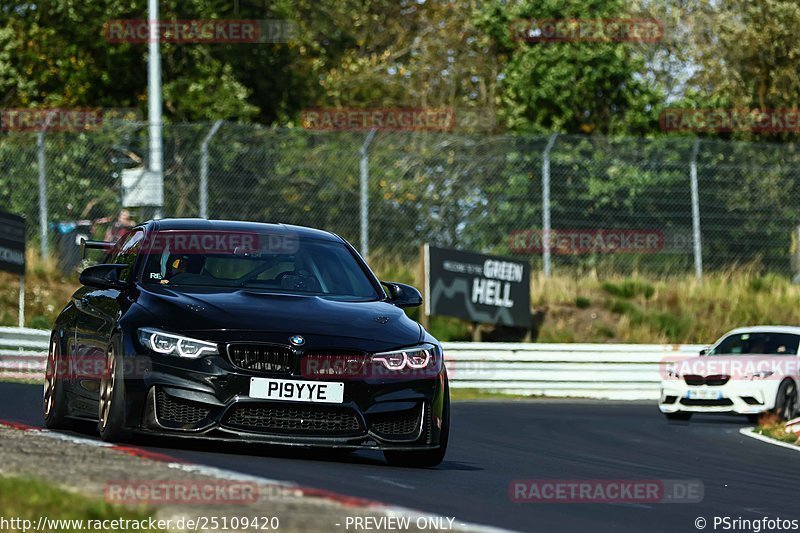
23	352
603	371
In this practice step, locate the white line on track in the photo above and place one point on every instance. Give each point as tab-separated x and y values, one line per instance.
391	482
76	440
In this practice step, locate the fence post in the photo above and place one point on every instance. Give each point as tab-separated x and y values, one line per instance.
22	300
40	144
364	178
698	249
796	255
204	168
155	106
546	204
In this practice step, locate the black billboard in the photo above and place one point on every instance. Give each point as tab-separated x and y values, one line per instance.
480	288
12	243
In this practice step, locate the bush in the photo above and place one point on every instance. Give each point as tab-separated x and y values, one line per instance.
629	289
623	307
675	327
40	322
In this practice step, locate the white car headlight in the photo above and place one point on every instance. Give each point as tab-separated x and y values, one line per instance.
415	358
764	374
172	344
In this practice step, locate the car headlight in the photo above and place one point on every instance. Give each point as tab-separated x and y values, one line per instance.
764	374
417	358
172	344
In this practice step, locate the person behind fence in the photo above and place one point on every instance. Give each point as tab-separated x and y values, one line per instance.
120	227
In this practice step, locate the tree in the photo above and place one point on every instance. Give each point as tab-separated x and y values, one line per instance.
570	87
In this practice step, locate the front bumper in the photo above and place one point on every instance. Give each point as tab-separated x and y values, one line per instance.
736	396
208	398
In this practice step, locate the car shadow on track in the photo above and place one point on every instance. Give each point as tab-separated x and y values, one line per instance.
712	418
164	445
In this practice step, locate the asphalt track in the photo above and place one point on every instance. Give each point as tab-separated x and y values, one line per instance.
493	443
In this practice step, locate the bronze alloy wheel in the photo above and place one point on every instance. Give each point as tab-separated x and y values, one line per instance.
107	384
50	379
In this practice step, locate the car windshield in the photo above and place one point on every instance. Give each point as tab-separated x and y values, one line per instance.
762	343
254	261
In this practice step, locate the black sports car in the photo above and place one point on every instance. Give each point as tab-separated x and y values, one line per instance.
247	332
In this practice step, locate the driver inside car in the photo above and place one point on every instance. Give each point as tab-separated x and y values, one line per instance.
179	266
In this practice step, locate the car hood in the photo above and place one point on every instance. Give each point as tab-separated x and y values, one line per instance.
201	309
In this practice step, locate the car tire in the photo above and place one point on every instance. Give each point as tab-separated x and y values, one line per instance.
54	400
679	415
111	407
425	458
786	401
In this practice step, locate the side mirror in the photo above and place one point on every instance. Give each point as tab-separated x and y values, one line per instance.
704	351
104	277
402	295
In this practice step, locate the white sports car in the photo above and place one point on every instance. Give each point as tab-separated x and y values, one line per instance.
748	371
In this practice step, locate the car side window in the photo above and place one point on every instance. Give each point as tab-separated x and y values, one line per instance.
127	253
758	344
111	257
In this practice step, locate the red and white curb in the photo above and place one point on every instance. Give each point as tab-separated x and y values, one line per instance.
230	475
751	432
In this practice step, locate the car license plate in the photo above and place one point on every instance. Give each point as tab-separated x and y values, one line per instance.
704	394
297	391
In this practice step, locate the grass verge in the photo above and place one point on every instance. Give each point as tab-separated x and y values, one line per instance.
771	427
478	394
586	307
24	381
29	499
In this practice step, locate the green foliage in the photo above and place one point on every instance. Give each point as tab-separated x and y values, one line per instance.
623	307
669	324
29	499
581	302
766	283
629	288
351	53
570	87
770	426
561	335
605	331
39	322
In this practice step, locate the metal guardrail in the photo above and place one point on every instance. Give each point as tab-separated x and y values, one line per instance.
23	352
601	371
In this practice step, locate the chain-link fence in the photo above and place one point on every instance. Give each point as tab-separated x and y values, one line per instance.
670	205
